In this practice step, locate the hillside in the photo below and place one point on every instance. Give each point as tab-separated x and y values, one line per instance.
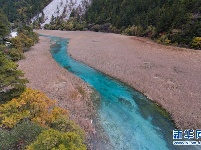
22	10
61	9
168	21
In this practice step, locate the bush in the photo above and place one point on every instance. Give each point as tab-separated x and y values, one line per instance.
25	39
64	124
196	42
17	43
47	26
7	140
164	39
35	106
32	105
150	31
133	31
20	136
55	140
15	54
2	48
96	28
136	30
78	26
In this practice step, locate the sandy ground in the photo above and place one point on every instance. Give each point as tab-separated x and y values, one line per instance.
168	75
46	75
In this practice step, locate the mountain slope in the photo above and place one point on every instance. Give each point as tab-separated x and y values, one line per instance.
22	10
171	22
62	9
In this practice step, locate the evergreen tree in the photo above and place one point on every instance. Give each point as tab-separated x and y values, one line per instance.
171	22
4	25
22	10
11	82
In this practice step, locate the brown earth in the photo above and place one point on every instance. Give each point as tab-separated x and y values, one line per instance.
168	75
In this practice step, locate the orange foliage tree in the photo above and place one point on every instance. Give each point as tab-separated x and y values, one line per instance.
32	105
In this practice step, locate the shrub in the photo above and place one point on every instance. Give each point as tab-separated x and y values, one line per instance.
164	39
20	136
150	31
64	124
81	91
7	140
54	140
196	42
32	105
35	106
16	43
24	40
78	26
133	31
136	30
96	28
15	54
2	47
47	26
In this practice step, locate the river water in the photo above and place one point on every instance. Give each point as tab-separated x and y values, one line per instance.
129	120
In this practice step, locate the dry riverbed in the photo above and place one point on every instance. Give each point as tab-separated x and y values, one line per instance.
71	93
168	75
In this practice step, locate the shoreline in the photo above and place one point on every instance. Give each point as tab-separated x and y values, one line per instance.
70	92
167	75
129	85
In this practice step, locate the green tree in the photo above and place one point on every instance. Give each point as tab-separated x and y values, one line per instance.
4	25
163	16
12	83
55	140
17	137
22	10
15	54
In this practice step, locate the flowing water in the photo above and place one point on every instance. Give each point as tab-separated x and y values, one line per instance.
128	118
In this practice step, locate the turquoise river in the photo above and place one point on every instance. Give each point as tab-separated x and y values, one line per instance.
127	117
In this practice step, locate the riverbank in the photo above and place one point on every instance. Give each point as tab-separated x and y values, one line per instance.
168	75
69	91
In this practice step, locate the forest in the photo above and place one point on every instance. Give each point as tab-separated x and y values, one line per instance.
168	21
24	110
22	10
165	21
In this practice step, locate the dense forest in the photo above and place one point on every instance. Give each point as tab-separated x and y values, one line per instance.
166	21
22	10
4	26
169	21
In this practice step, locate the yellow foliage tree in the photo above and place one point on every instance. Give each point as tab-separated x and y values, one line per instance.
32	105
196	42
16	43
54	140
